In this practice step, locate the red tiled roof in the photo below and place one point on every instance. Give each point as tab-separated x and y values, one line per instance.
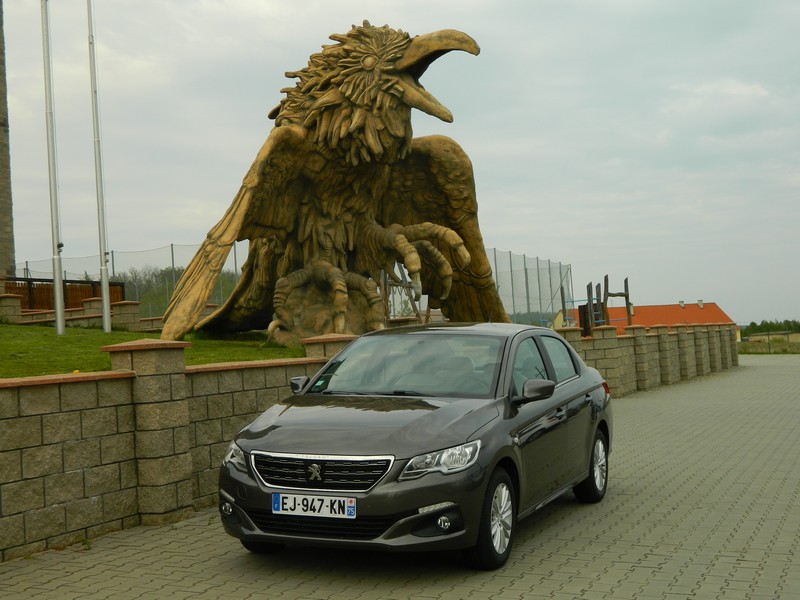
668	314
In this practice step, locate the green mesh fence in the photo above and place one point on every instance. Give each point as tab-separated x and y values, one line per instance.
529	287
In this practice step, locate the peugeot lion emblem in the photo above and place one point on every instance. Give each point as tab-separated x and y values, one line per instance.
314	473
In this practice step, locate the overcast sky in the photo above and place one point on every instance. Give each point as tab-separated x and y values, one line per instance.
655	140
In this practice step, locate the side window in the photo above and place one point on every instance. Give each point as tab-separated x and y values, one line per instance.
560	357
528	364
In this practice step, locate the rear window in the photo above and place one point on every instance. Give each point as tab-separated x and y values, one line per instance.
561	358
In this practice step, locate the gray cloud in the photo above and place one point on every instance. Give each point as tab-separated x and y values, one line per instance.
658	141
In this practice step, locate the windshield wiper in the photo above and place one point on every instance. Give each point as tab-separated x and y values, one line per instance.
407	393
343	393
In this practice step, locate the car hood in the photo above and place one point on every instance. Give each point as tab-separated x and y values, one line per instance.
366	425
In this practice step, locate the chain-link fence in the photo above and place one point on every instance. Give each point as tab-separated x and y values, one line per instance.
531	289
149	275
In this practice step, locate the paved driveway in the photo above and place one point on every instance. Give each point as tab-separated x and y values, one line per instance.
704	502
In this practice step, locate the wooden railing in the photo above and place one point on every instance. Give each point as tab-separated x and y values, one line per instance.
37	294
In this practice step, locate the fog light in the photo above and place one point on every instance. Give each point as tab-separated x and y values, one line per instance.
226	509
443	523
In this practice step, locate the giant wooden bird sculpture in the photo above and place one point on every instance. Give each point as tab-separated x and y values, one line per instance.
341	191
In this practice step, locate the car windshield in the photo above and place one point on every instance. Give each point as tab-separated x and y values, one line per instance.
418	364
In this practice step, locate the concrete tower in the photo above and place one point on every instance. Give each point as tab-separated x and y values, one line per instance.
6	214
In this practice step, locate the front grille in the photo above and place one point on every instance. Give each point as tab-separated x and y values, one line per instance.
360	528
321	473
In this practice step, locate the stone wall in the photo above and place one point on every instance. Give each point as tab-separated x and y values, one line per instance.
124	315
663	355
85	454
67	461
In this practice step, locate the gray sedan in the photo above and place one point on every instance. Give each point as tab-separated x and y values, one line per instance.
435	437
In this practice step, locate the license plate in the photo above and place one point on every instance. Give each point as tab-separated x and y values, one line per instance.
337	507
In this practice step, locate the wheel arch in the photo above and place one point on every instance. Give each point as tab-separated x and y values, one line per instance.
510	467
603	426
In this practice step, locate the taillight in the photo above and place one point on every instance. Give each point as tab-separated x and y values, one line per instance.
606	388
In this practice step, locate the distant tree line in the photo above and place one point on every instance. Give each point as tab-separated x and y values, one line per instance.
153	287
770	326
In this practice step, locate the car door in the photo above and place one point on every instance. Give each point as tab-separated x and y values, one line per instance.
576	394
539	428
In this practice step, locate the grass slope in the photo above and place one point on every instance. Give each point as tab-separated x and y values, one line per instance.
28	350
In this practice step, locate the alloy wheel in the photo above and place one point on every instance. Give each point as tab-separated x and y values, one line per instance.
501	518
600	466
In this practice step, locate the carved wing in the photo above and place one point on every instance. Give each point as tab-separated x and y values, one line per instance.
435	183
263	212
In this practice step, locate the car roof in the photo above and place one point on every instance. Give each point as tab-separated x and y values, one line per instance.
493	329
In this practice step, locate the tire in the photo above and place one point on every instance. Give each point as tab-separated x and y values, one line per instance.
593	488
497	525
262	547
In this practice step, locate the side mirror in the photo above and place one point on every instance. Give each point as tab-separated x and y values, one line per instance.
536	389
298	383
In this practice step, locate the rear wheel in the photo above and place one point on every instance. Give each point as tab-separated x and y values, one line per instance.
593	488
262	547
498	521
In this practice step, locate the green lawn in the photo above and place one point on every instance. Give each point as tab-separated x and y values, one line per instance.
27	350
775	346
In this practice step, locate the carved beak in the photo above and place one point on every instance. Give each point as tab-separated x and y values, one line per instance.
423	50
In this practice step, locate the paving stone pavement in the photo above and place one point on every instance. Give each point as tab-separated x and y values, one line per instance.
703	502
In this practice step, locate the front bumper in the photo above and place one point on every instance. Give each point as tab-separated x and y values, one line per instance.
394	515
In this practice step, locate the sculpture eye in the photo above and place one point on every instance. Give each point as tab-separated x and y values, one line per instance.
369	62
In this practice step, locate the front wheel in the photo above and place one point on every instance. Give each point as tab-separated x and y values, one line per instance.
497	524
593	488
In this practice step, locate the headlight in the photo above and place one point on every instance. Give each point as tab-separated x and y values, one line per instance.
236	457
450	460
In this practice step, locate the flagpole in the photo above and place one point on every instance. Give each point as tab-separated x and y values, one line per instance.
98	170
55	219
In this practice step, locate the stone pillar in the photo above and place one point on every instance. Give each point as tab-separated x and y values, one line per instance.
92	306
125	315
639	334
10	308
163	459
665	354
604	338
686	354
701	350
724	346
714	355
733	341
326	345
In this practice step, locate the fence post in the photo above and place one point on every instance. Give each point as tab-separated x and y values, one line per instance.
539	285
511	279
172	256
527	285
